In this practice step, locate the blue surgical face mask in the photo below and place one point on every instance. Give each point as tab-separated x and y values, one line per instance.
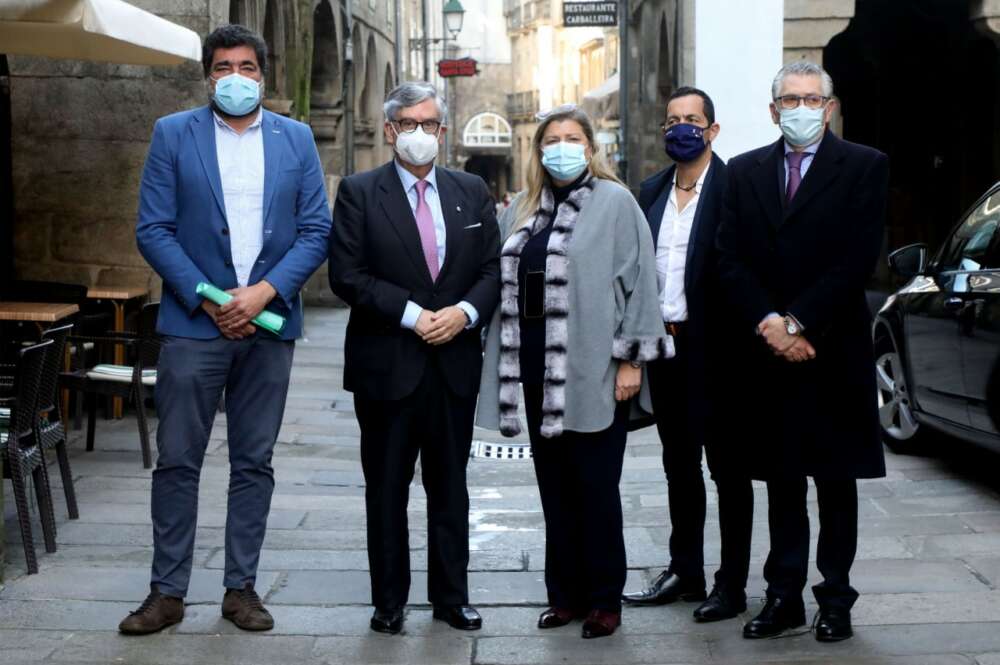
237	95
802	126
684	142
564	161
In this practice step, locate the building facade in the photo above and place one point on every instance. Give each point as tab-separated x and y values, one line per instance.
78	131
905	71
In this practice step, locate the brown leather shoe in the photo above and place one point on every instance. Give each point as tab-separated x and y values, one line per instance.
600	623
554	617
156	613
245	609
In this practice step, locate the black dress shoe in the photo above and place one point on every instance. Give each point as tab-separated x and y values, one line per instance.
833	625
721	604
777	616
668	588
462	617
387	621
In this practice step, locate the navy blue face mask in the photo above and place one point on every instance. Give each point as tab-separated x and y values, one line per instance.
684	142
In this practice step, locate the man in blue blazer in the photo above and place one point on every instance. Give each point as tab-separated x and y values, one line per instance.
232	196
683	206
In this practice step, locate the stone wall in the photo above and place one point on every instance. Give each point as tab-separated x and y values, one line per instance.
80	135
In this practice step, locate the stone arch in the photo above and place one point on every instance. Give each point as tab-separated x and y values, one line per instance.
325	80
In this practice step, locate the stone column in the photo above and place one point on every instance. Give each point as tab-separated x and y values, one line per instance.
811	24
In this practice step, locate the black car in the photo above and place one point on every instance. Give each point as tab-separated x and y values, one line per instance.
937	339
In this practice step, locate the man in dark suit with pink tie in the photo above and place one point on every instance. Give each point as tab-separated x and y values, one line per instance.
415	252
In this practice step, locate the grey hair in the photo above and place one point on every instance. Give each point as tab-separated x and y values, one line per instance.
411	93
802	68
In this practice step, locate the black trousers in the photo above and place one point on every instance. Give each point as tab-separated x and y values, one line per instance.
578	475
787	566
682	454
436	424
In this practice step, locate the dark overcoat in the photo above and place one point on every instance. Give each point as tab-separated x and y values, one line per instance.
811	258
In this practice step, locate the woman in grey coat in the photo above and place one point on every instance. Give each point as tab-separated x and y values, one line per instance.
579	316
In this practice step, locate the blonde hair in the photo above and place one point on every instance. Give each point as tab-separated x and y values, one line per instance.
538	177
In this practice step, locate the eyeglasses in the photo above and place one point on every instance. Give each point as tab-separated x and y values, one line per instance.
562	109
408	126
792	101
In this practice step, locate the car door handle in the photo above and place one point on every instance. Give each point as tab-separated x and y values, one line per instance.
954	304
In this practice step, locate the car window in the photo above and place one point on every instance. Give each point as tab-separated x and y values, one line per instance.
974	245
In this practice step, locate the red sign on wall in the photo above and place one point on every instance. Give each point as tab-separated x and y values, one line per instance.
460	67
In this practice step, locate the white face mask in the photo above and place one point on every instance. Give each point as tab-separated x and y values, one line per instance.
417	147
802	126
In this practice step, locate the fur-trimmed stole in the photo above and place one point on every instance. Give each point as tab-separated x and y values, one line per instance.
556	311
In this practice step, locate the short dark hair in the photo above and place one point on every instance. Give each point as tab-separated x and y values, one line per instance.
231	36
686	91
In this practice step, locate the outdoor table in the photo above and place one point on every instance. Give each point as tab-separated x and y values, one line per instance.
119	297
36	312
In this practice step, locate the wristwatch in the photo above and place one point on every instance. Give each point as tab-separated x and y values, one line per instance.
792	326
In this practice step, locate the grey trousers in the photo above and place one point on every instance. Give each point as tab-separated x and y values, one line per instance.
191	377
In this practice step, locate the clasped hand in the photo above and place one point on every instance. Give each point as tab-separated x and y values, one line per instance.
440	327
234	318
792	348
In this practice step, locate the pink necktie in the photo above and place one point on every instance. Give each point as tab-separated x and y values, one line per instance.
425	226
794	173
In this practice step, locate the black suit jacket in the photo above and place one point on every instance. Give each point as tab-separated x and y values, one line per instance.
706	320
811	258
377	265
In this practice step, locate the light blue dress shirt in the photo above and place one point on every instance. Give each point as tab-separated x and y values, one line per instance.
810	155
409	181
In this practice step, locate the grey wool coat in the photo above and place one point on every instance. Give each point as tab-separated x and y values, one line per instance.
613	312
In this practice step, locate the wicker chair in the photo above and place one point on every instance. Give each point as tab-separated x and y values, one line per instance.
22	451
130	382
51	430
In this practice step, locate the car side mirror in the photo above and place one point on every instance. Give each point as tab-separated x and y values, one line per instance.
909	261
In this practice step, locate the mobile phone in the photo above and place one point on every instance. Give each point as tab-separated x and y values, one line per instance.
533	295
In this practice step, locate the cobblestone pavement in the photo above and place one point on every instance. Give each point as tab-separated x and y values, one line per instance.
928	566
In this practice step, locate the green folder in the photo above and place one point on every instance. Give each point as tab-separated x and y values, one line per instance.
269	321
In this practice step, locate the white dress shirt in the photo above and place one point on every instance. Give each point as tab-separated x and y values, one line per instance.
671	252
409	181
241	169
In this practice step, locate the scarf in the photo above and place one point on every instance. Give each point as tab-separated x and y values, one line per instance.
556	311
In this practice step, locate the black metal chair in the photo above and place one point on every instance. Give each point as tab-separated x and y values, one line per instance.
131	382
51	430
22	450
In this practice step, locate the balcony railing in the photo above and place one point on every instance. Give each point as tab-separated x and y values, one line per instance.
524	14
522	105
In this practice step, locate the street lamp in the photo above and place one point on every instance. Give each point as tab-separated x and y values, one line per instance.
454	16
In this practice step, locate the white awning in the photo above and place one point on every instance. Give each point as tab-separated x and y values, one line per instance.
601	103
100	30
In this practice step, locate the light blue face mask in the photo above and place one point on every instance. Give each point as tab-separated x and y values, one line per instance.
237	95
564	161
802	126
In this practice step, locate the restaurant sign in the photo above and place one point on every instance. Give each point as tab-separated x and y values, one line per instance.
590	14
459	67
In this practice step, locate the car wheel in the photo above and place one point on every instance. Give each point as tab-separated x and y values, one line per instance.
900	428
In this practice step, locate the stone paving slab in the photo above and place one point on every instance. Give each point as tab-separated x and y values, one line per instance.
928	563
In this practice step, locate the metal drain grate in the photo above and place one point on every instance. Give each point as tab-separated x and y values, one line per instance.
500	451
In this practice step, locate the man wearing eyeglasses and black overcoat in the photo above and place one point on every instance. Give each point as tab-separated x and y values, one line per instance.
801	232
